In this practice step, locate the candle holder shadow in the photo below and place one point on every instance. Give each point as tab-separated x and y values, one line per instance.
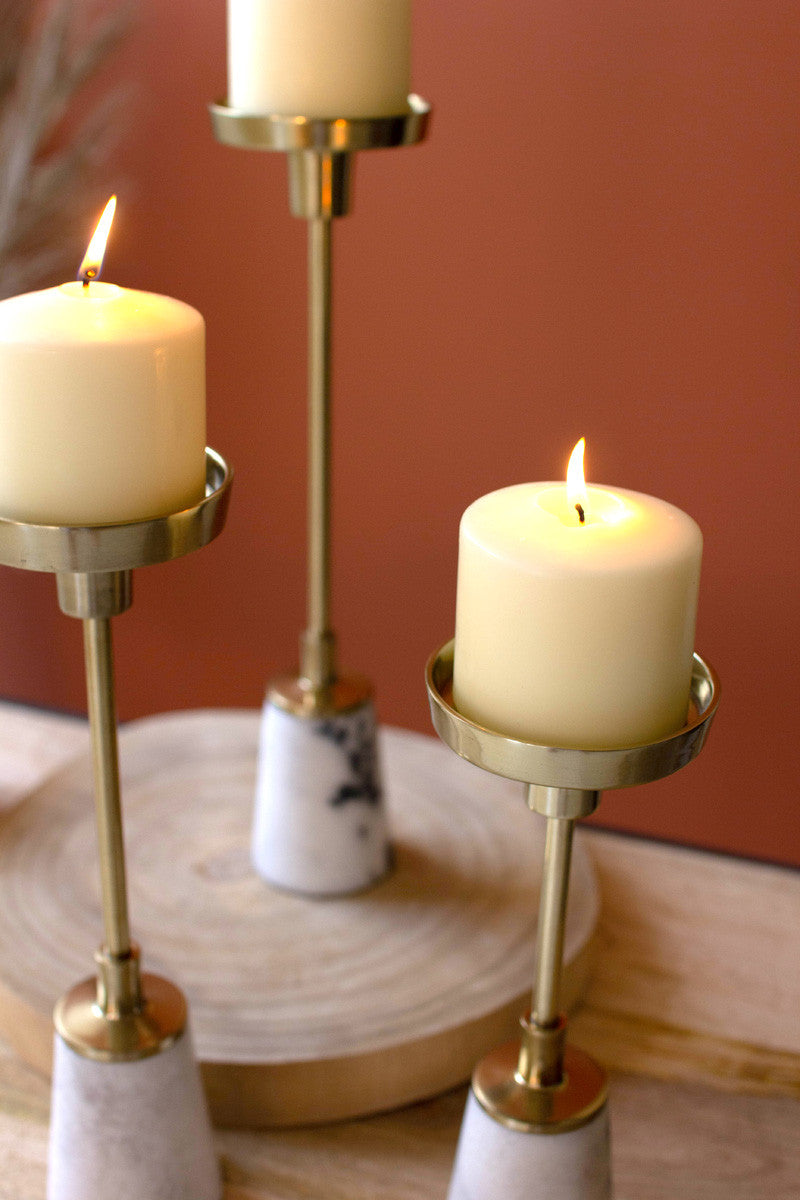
320	826
131	1026
540	1085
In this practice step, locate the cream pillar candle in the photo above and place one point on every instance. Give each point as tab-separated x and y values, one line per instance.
102	405
575	632
319	58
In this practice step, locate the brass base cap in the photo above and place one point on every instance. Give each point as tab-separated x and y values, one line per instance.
156	1025
501	1091
295	695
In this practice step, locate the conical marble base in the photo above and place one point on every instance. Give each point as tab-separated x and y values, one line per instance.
130	1130
494	1162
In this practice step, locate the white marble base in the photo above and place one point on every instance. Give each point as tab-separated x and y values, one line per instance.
320	825
130	1130
497	1163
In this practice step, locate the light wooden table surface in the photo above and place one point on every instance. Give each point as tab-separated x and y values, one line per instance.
694	1007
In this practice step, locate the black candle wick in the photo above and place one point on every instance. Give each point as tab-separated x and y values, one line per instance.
581	513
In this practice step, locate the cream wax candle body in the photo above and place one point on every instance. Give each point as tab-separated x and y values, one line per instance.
571	633
319	58
102	405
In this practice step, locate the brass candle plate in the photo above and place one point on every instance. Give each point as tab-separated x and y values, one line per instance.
564	766
114	1017
101	548
273	131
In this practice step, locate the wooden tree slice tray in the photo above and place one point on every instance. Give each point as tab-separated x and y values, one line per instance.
302	1010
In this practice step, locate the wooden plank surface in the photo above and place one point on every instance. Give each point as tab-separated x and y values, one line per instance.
697	970
670	1141
694	1004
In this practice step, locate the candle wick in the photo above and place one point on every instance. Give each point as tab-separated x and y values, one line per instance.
581	513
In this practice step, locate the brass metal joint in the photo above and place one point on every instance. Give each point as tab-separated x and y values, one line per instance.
566	803
94	594
319	183
541	1054
119	986
318	658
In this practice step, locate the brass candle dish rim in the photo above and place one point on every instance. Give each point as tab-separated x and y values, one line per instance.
120	547
276	131
565	766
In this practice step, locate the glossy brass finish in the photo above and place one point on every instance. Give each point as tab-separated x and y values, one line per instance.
319	149
512	1101
552	920
539	1085
320	158
119	984
118	1016
302	699
562	802
567	767
541	1053
318	657
319	183
100	691
92	549
94	1028
99	594
273	131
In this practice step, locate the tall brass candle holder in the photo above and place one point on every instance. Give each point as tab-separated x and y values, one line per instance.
319	825
541	1086
128	1115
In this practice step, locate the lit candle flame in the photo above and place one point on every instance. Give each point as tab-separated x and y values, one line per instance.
576	481
92	263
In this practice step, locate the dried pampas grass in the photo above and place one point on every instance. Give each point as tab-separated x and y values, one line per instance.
52	139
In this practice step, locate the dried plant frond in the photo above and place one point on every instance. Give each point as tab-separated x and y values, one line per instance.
49	152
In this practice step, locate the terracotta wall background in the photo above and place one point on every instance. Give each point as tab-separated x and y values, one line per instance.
600	237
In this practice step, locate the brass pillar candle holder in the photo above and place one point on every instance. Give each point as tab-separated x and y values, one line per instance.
318	752
121	1019
540	1085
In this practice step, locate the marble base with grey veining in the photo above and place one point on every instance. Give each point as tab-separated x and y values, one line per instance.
320	825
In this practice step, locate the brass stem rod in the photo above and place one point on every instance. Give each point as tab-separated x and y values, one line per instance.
552	920
103	724
317	665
